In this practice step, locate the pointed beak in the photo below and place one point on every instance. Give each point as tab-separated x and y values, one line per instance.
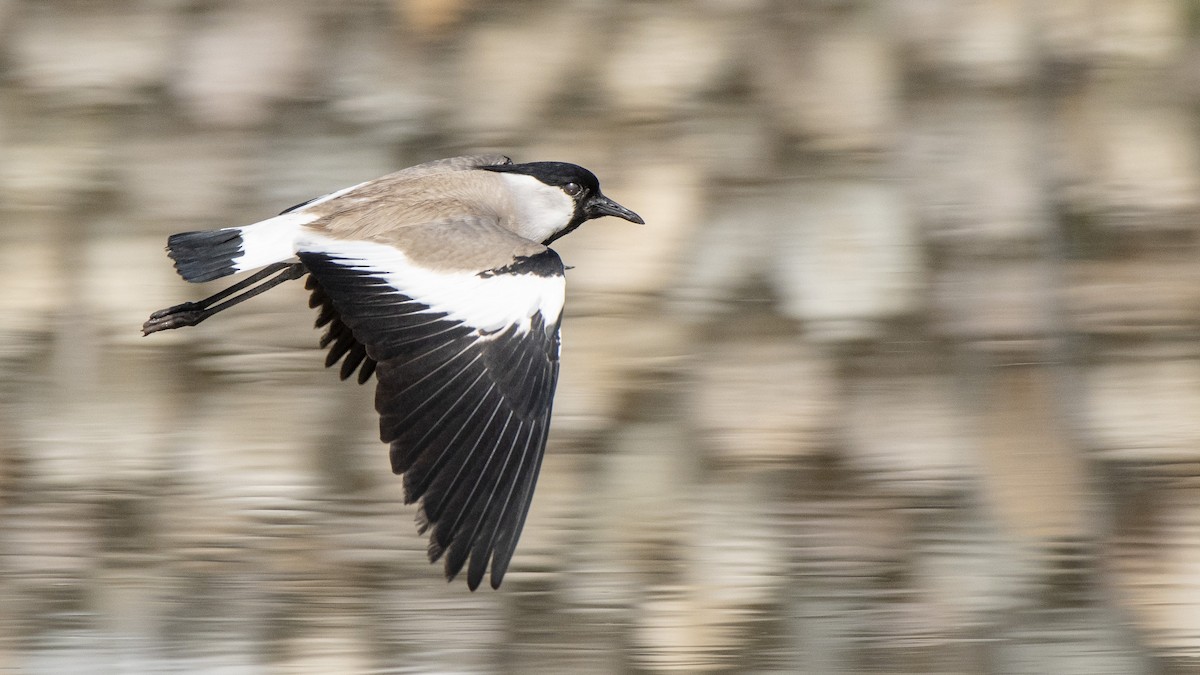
603	206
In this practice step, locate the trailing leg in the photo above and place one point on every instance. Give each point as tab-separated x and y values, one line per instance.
192	313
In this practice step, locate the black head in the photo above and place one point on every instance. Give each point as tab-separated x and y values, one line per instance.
577	183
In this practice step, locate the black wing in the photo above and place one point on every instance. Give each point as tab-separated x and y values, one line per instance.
338	337
465	410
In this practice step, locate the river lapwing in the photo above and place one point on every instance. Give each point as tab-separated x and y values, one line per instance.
438	280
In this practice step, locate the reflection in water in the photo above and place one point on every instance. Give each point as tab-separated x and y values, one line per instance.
251	523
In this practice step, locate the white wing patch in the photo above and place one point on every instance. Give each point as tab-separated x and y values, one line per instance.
486	303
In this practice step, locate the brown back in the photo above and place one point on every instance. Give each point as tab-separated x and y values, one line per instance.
442	215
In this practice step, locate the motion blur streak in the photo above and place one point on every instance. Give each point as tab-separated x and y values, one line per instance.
900	375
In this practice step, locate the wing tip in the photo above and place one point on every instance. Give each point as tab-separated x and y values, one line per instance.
476	572
473	583
455	561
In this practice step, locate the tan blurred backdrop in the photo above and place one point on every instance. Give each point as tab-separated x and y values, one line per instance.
900	376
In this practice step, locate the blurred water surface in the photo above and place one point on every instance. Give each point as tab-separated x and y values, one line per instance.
900	376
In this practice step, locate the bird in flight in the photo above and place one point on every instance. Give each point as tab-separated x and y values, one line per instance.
437	279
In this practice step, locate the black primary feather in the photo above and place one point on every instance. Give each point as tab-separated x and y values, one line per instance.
466	414
340	335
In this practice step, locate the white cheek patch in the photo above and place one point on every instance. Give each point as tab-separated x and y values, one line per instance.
541	210
489	303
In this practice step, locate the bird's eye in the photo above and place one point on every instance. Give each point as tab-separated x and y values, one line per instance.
572	189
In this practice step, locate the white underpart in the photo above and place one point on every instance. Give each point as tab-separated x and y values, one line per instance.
541	209
274	240
487	304
270	241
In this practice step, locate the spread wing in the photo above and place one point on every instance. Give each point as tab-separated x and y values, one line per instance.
338	336
467	363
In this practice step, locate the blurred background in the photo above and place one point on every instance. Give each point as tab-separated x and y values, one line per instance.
900	376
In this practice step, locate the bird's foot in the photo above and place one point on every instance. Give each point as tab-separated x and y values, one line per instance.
186	314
